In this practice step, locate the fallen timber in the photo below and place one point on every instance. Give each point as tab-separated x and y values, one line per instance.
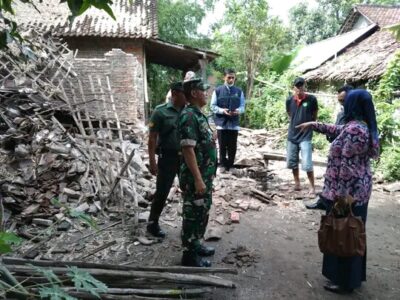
79	264
281	157
122	281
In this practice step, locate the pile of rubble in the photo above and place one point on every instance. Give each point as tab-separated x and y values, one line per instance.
52	162
64	173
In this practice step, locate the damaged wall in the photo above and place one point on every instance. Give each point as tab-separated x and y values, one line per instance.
124	73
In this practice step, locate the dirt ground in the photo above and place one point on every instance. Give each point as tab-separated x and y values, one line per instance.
279	256
283	238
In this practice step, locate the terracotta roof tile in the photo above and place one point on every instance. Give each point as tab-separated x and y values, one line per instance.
138	20
382	15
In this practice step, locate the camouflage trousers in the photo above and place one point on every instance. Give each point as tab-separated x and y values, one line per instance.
195	215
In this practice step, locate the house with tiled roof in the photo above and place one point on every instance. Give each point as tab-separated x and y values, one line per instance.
95	37
358	54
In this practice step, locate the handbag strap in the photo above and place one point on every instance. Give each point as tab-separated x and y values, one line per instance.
350	208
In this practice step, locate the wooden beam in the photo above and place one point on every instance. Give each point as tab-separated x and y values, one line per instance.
281	157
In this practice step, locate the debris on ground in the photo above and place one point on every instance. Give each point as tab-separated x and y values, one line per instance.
241	257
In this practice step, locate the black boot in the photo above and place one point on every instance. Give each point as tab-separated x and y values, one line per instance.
206	251
319	204
316	205
337	289
192	259
155	230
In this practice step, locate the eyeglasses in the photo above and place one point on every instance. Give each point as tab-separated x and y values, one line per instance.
231	77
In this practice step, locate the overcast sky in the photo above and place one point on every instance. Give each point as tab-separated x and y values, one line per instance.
279	8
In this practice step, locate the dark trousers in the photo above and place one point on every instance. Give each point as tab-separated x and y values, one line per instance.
348	272
168	167
227	141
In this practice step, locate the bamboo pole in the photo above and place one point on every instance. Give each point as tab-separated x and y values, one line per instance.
104	275
170	269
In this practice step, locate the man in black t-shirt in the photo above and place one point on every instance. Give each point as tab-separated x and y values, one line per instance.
301	107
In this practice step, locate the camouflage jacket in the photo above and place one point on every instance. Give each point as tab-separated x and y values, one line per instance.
195	131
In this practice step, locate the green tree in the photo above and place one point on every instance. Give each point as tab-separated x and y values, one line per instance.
247	37
309	25
178	22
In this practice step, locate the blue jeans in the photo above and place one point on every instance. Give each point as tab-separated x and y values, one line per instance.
292	155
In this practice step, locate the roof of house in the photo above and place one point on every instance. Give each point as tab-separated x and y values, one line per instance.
381	15
362	61
313	55
177	56
365	57
136	20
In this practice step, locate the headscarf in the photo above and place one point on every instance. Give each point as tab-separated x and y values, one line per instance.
358	105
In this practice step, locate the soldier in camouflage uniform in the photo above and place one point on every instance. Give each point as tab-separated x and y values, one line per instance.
163	136
197	172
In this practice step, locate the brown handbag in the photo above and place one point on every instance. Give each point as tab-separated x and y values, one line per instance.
344	236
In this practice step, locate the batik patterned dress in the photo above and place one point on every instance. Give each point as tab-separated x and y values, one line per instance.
348	171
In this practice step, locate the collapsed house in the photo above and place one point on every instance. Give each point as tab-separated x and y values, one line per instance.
62	168
119	49
52	146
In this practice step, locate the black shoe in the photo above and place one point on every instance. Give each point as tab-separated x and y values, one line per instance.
337	289
206	251
155	230
316	205
191	259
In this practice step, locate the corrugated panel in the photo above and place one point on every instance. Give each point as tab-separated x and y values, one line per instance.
137	20
365	60
312	56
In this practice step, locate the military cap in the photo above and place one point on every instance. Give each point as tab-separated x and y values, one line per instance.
195	84
176	86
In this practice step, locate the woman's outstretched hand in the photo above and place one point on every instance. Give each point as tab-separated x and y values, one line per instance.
305	126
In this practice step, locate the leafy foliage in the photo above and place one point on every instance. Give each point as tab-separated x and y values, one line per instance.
54	293
388	117
8	239
395	29
83	217
386	105
84	281
177	22
281	61
306	24
267	107
76	214
48	273
312	24
247	37
390	164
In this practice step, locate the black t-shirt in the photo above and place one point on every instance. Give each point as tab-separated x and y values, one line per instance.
300	114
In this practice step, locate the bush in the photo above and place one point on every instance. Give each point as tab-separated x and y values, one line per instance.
267	107
390	164
387	110
320	142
